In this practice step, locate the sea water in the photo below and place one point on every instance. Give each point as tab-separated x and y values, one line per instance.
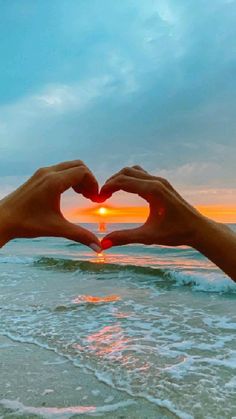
139	332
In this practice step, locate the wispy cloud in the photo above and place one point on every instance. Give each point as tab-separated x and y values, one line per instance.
119	83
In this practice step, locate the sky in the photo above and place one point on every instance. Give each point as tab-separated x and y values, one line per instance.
118	83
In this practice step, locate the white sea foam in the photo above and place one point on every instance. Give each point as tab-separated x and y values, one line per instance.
205	282
62	412
163	403
231	383
16	259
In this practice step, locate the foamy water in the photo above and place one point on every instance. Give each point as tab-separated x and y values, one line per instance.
140	332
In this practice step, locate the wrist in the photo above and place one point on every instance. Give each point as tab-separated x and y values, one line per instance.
5	226
204	229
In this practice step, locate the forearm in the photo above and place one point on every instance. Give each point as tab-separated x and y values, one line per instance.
218	243
4	238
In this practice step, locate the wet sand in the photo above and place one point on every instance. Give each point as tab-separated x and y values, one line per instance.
36	382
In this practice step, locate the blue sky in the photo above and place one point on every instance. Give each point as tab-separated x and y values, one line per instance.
118	83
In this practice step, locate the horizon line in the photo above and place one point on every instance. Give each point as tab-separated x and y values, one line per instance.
138	214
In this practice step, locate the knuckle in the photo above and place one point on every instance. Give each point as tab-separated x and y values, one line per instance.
126	171
41	172
114	183
82	172
83	169
121	178
52	179
164	181
80	162
158	187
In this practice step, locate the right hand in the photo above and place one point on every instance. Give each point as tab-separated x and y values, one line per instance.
172	221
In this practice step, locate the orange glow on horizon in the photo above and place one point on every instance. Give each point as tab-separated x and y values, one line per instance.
110	214
124	214
221	213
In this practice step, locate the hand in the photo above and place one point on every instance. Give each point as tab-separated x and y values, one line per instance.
172	221
33	210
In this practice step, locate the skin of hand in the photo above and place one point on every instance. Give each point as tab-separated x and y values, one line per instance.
33	210
172	221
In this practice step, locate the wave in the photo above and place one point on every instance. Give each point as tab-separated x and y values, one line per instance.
203	281
87	266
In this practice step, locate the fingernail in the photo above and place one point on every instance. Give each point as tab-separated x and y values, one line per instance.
95	247
94	198
106	244
103	197
100	199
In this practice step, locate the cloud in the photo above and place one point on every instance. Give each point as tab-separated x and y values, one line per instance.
22	124
121	83
191	173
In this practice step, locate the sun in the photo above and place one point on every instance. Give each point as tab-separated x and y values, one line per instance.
102	211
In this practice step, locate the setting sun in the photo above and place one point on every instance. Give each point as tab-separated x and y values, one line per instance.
102	211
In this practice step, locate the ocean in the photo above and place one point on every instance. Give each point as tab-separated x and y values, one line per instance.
138	332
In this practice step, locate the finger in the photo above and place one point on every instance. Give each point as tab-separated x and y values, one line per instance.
139	172
142	187
122	237
79	234
66	165
80	179
134	171
121	182
89	186
139	168
142	174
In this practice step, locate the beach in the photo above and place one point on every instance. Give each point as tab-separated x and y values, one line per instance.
139	332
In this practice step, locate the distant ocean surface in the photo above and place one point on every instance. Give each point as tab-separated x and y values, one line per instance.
140	332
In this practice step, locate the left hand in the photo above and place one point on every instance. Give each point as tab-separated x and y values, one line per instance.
33	210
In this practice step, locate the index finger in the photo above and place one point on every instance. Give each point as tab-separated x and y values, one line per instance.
81	179
142	187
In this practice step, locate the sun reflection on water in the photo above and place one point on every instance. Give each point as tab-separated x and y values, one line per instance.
112	344
100	258
92	299
109	341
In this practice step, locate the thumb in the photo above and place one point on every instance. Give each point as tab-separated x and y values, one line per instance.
79	234
121	237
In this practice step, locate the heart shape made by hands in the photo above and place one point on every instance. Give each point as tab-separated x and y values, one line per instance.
33	210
